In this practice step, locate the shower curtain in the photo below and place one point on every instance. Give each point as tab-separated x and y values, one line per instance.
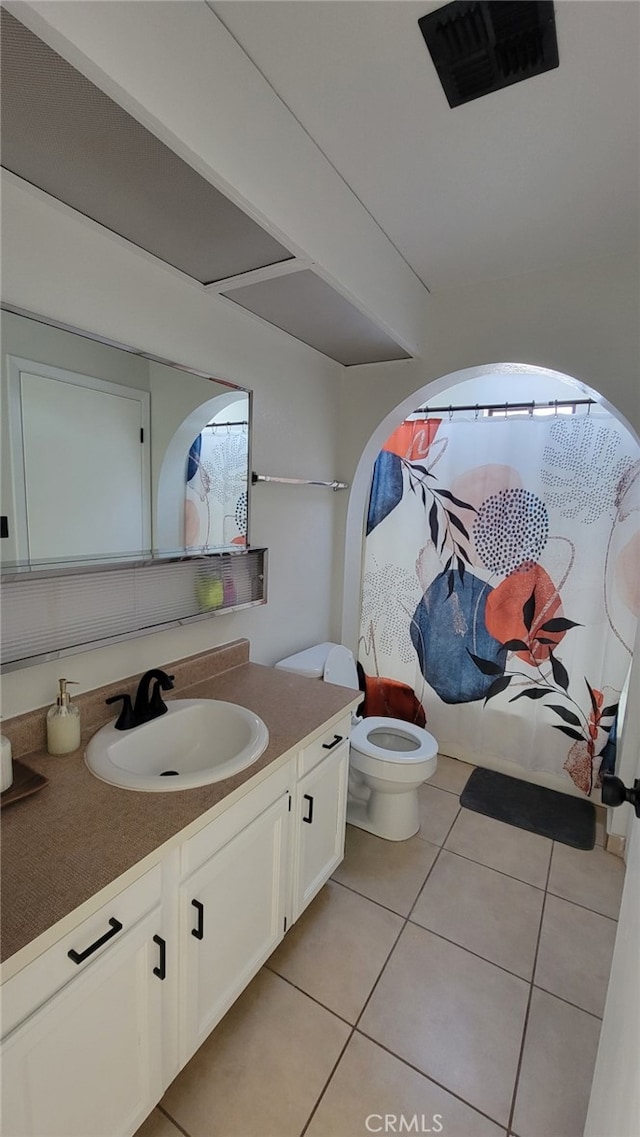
502	586
216	488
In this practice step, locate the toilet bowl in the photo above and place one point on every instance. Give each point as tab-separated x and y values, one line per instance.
388	759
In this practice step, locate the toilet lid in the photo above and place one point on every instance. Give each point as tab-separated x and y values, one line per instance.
375	737
309	662
340	668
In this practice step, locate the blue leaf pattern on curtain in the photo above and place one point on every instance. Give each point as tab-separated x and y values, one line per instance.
386	490
448	629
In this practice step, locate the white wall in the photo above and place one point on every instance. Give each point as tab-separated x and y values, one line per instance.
60	265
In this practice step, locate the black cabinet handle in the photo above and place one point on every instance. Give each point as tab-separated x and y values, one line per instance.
161	969
198	931
79	956
309	817
330	745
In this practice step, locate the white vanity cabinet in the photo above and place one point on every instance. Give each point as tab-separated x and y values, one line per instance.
319	810
96	1026
232	910
86	1059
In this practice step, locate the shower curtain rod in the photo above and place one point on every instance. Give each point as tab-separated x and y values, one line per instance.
297	482
215	425
506	406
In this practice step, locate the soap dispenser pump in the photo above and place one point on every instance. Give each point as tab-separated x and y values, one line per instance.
63	723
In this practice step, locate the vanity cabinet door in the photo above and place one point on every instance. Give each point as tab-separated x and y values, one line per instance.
88	1062
232	914
319	826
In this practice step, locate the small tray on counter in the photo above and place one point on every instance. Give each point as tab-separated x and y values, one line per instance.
25	782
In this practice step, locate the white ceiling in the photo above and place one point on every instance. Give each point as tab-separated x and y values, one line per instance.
539	175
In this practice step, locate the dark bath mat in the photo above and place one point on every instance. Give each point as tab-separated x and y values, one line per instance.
570	820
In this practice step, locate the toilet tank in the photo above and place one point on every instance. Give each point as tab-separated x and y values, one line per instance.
310	662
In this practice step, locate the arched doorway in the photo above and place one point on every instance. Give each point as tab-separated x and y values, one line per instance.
511	383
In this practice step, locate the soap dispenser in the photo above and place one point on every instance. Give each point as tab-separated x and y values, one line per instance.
63	723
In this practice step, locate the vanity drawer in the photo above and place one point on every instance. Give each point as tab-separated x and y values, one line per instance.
39	980
322	746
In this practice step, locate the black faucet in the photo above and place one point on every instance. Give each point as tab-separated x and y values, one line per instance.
146	707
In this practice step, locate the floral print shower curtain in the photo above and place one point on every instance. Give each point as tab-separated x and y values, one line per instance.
502	586
215	512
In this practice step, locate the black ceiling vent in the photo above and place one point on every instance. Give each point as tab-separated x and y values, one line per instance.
480	46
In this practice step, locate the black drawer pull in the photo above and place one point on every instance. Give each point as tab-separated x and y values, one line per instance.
198	931
330	745
161	969
80	956
309	817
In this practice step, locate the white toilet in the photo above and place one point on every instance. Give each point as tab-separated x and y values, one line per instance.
389	759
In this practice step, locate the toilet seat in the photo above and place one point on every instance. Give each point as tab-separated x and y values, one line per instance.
414	743
340	667
389	740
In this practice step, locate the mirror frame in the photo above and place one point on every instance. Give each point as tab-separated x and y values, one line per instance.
92	565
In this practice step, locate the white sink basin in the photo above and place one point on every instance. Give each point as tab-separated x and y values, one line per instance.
198	741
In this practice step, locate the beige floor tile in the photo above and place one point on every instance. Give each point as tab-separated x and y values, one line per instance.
455	1017
490	913
157	1125
437	811
262	1069
557	1068
389	872
451	774
593	878
574	958
503	847
369	1081
337	949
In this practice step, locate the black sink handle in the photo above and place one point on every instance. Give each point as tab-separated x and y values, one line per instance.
126	718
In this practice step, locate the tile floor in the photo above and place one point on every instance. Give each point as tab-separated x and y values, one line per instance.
462	974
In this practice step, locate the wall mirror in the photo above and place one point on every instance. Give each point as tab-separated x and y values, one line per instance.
114	456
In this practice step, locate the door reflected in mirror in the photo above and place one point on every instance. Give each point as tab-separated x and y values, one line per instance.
112	456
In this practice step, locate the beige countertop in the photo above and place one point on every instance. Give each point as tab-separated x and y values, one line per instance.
76	836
